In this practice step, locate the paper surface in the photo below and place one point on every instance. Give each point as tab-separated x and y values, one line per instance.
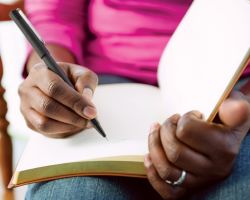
125	111
201	58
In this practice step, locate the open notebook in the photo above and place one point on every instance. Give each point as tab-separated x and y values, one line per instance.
198	68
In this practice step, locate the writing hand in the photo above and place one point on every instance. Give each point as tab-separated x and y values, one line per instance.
53	108
206	151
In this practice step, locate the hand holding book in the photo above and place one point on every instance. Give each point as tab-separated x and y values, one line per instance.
207	151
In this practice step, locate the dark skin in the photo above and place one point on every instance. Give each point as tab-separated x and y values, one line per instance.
49	105
207	151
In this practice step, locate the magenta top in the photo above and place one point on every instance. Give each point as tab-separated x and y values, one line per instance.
120	37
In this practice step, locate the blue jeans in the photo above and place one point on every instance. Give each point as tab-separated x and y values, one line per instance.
235	187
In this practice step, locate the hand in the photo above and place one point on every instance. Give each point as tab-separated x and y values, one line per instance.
206	151
53	108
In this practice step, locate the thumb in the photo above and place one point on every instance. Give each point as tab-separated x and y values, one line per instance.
235	110
85	81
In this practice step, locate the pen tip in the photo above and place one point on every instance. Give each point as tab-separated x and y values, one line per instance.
98	127
107	139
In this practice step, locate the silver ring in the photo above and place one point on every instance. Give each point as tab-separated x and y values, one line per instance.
180	180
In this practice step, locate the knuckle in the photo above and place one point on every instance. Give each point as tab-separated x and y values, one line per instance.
39	66
36	68
78	120
42	124
91	75
173	154
47	105
168	132
167	125
183	128
77	104
28	123
54	88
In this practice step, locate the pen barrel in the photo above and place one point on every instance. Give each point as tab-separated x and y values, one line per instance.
53	66
37	43
28	31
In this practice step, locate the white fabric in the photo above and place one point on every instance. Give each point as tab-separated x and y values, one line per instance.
13	50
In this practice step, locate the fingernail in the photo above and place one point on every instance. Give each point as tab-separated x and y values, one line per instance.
147	161
89	125
153	127
89	112
88	93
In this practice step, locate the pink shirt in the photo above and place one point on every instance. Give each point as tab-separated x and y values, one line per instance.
120	37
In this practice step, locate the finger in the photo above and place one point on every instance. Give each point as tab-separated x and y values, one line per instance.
50	127
218	143
235	110
165	190
24	111
163	167
53	86
50	108
181	155
203	137
84	79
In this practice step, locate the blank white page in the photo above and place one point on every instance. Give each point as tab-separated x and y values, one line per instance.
211	43
125	112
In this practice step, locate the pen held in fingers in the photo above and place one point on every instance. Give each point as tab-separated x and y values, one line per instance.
38	45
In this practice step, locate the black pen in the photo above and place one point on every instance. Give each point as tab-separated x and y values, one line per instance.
39	46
